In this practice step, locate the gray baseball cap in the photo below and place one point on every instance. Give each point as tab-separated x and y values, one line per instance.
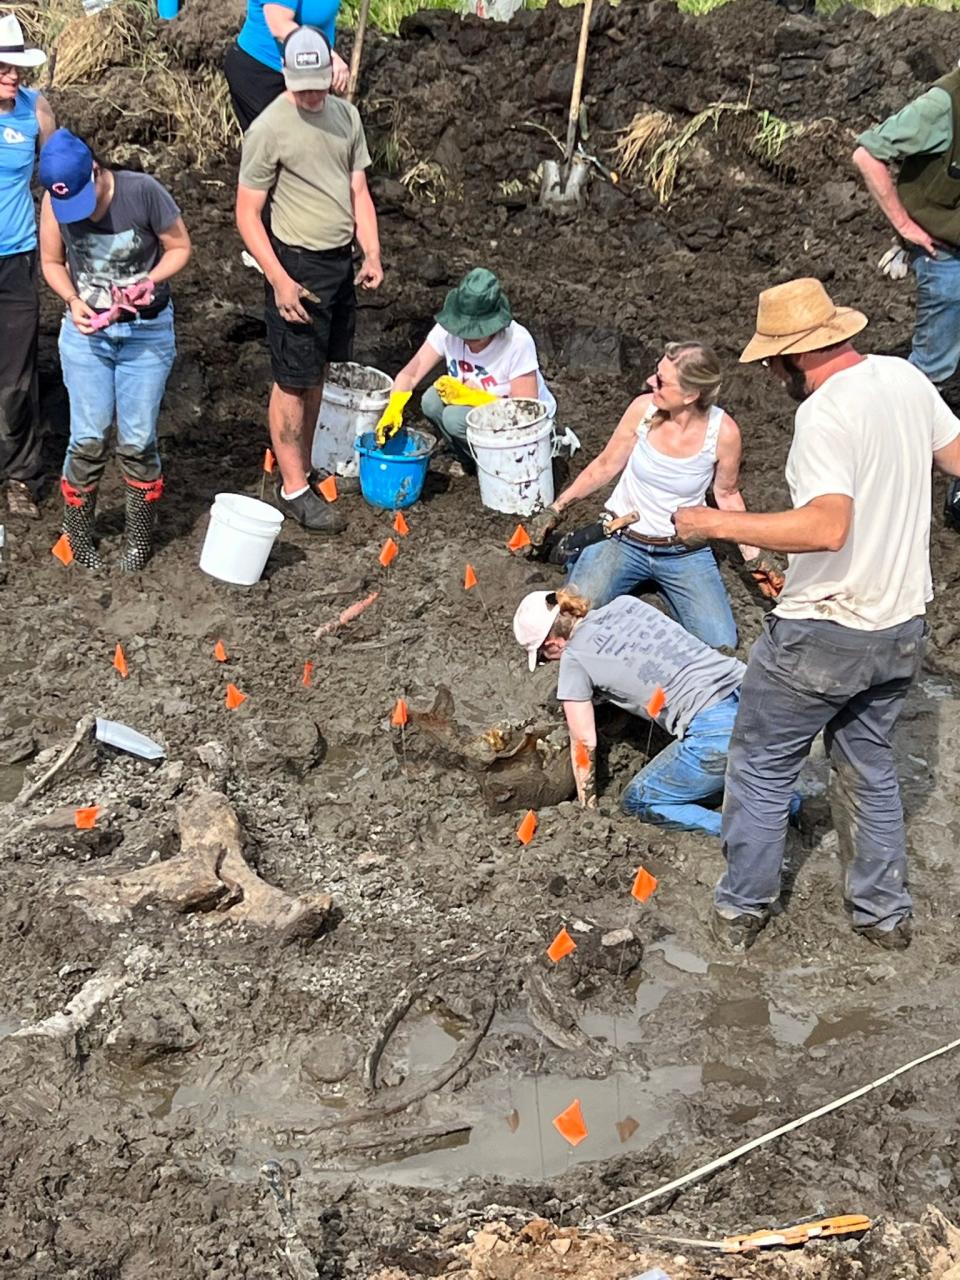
307	60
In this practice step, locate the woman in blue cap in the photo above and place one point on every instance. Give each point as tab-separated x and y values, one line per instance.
25	120
253	66
110	241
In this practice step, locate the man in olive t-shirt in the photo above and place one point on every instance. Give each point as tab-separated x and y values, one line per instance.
307	154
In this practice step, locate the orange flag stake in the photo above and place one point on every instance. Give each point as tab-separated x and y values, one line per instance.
307	680
234	697
120	662
561	946
62	550
527	828
570	1125
388	552
469	578
219	651
400	715
644	885
328	488
520	539
269	461
658	700
400	525
86	819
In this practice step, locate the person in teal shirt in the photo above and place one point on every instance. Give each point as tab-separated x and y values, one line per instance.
253	65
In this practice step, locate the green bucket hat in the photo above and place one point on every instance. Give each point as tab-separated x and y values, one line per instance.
477	307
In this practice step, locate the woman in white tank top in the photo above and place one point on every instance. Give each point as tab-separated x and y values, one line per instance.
669	449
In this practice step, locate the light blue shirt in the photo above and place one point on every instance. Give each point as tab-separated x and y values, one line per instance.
255	38
19	130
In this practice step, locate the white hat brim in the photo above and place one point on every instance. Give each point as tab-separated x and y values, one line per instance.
29	58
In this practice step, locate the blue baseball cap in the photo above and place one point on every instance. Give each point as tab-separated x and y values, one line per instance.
66	170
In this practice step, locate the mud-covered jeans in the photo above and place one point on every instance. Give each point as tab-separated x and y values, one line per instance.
804	676
19	315
670	790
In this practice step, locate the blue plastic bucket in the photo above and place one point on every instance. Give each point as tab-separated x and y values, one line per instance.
393	480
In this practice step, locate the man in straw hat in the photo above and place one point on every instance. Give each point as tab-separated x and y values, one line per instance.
846	638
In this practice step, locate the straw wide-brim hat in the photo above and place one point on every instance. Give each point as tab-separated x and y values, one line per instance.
14	50
477	307
799	316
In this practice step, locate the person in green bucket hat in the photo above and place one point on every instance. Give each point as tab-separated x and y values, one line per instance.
487	355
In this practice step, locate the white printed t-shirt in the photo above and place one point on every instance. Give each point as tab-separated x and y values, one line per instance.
511	354
868	432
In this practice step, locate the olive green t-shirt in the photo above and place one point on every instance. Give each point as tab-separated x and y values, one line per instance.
306	159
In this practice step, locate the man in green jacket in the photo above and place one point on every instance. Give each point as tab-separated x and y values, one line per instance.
923	206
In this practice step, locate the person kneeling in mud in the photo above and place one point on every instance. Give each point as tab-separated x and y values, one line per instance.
631	654
487	356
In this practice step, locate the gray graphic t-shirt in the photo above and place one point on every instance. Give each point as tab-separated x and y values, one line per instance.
122	246
623	651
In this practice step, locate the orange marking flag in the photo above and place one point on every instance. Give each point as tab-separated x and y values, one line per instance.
644	885
561	946
86	819
269	461
62	550
469	578
328	488
658	700
570	1125
120	662
400	525
527	828
400	715
219	651
234	697
581	755
307	680
388	553
520	539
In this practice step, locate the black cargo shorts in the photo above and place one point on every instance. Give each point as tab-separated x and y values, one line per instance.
299	353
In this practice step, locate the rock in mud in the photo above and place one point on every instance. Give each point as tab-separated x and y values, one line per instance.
153	1025
330	1058
292	746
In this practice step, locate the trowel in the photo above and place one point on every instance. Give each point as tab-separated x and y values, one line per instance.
564	183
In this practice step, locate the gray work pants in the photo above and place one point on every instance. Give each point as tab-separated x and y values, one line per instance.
804	676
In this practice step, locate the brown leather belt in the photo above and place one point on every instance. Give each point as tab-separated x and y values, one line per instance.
650	539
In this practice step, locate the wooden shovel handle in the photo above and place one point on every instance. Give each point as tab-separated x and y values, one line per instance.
357	50
577	93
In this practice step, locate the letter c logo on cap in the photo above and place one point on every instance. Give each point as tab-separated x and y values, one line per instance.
60	189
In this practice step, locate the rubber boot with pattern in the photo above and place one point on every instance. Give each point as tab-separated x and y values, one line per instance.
141	505
79	514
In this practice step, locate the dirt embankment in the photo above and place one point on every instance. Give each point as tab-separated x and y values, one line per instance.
130	1140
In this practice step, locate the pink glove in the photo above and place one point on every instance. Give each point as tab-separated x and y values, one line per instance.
122	308
140	294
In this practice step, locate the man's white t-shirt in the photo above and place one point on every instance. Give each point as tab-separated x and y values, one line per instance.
510	354
868	432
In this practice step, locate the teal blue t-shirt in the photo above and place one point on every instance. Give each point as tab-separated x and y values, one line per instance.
19	129
256	40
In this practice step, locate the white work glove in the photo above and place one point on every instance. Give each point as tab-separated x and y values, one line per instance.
895	263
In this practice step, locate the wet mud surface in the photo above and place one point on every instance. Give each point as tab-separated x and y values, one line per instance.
196	1041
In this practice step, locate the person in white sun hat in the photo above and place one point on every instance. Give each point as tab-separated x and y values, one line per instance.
25	121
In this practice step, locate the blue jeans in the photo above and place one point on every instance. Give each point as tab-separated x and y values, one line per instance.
451	421
119	372
936	332
689	582
667	791
804	676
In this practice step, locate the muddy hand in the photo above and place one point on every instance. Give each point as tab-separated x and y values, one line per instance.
766	574
288	294
370	275
693	524
391	420
543	525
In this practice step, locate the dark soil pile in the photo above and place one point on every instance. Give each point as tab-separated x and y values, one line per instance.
130	1137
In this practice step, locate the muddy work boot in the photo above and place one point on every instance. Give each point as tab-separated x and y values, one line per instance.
141	507
79	513
736	933
20	501
896	939
312	511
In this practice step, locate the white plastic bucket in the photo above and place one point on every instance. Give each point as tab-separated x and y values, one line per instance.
511	442
354	397
240	537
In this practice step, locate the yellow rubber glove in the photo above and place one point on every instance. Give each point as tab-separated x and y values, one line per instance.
452	391
391	420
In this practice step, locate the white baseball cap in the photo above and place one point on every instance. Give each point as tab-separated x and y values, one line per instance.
307	60
532	622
